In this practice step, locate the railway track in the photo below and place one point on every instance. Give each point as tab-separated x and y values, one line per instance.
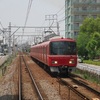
73	87
81	88
81	82
23	70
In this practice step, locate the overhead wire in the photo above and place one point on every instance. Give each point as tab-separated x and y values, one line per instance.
1	25
56	14
59	14
60	9
27	15
28	11
62	20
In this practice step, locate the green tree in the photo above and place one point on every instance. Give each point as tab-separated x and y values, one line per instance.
88	26
88	39
93	45
97	24
82	40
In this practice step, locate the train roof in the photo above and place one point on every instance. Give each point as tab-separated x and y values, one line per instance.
54	39
62	39
40	44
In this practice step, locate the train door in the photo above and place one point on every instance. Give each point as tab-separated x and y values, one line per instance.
46	53
43	53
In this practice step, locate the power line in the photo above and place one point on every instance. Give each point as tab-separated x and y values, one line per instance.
61	13
61	20
55	14
1	25
27	14
60	9
43	23
28	11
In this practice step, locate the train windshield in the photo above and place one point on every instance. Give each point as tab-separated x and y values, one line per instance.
63	48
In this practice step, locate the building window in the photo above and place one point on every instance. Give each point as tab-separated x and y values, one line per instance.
77	1
84	8
77	24
68	26
68	2
94	16
68	34
68	18
76	8
95	0
84	16
75	33
68	11
94	8
76	16
84	0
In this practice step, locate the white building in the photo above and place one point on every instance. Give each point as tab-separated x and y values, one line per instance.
76	11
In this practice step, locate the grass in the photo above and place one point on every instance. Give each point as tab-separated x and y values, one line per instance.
7	63
94	62
88	76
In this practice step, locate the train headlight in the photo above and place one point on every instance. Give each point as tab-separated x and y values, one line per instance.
71	62
54	62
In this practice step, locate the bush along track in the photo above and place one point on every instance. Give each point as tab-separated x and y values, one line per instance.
88	75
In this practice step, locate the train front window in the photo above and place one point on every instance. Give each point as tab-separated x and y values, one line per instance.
63	48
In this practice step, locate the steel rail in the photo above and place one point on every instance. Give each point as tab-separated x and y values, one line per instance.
20	79
36	87
85	85
75	91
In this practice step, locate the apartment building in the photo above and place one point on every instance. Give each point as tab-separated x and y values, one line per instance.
76	11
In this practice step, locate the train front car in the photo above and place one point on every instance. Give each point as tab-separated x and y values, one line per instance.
62	55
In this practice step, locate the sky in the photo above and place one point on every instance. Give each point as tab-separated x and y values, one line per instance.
14	11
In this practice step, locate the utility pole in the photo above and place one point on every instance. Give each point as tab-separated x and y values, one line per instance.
13	43
51	19
9	37
58	29
4	35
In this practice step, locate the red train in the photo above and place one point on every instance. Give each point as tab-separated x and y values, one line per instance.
58	54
